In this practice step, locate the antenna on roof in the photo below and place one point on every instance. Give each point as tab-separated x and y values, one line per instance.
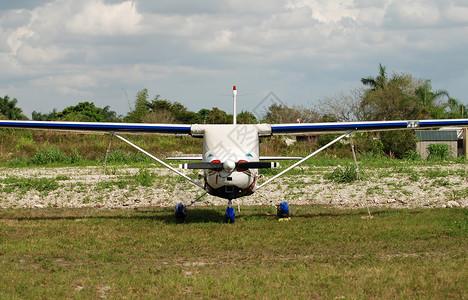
234	113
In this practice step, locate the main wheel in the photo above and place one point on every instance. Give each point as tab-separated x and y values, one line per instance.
283	210
180	211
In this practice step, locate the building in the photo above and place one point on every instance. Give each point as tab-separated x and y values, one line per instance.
452	137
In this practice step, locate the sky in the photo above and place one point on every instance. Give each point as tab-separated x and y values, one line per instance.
55	54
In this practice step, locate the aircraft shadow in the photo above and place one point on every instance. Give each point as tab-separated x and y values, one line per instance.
198	215
194	215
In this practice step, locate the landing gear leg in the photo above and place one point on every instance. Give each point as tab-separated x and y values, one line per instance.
282	210
230	215
181	209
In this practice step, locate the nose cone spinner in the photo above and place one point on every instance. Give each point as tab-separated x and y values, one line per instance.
229	166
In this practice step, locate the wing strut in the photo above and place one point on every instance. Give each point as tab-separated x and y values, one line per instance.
158	160
306	158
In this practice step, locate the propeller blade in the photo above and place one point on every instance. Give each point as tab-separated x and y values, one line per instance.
256	165
239	165
202	165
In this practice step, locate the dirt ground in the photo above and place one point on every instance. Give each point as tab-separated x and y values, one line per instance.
441	186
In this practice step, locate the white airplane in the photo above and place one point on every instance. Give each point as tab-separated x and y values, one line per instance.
231	152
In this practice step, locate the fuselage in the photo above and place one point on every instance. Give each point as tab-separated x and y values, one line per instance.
229	144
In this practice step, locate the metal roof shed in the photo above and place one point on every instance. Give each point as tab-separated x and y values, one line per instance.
428	137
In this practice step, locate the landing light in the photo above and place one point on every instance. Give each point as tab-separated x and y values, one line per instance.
241	169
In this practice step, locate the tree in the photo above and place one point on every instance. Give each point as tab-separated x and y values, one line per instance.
141	108
379	82
173	112
455	110
187	117
429	102
9	110
390	99
110	115
52	116
246	117
87	112
160	116
203	115
278	113
341	107
82	112
398	143
403	97
218	116
159	111
160	104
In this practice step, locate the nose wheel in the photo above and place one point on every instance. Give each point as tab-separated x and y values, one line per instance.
230	215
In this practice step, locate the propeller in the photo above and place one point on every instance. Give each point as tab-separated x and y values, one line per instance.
230	165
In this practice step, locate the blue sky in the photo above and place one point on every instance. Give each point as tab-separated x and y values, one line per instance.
57	53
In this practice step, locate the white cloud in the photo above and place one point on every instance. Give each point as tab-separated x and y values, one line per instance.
67	84
293	18
457	13
28	54
412	14
220	41
327	11
17	36
97	18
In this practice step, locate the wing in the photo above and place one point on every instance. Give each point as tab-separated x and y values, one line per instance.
169	129
276	129
305	128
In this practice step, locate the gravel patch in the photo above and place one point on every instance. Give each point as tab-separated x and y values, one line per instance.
409	187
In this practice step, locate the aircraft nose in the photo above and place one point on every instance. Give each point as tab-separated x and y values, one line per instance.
229	165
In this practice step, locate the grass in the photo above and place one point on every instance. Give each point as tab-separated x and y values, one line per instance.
320	253
145	177
29	147
22	185
348	174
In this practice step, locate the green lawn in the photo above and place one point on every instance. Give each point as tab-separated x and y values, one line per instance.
320	253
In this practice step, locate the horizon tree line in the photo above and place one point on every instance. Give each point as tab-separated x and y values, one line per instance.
398	96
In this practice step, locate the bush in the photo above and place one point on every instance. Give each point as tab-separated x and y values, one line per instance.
48	156
119	156
17	163
51	155
75	157
412	155
438	152
398	142
145	177
349	174
367	144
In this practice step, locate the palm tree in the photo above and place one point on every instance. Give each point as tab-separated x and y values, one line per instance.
428	101
9	110
379	82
